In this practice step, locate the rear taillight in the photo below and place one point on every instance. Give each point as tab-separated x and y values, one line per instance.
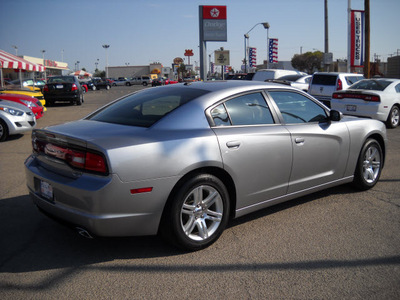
371	98
79	159
46	88
74	87
339	86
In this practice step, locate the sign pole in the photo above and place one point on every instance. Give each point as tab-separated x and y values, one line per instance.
203	47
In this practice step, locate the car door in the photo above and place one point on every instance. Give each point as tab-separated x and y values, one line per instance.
255	150
320	147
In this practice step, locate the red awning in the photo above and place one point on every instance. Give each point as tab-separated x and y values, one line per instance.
9	61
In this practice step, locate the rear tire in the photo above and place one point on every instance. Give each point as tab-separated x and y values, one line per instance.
393	119
196	214
369	165
3	131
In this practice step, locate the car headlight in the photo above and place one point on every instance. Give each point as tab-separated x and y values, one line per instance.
30	104
12	111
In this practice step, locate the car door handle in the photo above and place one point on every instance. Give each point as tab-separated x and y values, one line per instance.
233	144
299	140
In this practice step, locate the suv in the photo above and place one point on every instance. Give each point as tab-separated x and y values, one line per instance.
324	84
271	74
144	80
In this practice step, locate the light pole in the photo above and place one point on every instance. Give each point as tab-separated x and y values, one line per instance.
16	49
77	65
246	36
96	63
106	47
44	65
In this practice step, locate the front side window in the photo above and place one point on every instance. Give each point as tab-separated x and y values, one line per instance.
296	108
248	109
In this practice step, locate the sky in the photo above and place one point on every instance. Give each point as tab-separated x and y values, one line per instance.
140	32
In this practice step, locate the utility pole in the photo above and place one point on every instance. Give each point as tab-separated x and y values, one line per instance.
367	40
326	33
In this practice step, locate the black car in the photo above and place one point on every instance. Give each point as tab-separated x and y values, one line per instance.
63	88
99	83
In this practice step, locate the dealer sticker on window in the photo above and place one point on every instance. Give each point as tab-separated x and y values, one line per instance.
46	190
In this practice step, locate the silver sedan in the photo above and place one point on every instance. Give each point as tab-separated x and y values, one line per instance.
182	160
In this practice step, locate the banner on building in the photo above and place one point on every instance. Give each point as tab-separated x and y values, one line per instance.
357	38
273	51
252	57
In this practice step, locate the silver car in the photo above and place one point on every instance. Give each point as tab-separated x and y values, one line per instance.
181	160
15	118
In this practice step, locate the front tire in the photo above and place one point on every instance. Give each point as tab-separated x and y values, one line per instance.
393	119
369	165
3	131
197	213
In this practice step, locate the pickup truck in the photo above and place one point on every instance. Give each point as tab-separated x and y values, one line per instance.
63	88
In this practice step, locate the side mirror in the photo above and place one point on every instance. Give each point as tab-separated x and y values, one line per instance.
335	115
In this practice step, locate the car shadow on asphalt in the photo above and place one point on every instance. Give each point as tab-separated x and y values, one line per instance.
32	242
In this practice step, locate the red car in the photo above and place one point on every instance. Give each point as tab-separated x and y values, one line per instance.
34	104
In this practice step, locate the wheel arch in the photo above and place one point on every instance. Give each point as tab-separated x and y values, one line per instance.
221	174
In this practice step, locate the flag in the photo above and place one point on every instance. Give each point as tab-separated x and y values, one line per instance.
252	57
273	50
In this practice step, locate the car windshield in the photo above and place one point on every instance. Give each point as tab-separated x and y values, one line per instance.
145	108
61	79
375	85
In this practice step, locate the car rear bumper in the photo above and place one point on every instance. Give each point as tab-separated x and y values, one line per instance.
104	206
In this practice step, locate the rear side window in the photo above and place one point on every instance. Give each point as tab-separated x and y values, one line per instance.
324	79
145	108
353	79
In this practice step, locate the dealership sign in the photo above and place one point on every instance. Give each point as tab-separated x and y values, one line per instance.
357	38
213	23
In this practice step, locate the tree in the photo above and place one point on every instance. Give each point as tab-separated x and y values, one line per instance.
307	62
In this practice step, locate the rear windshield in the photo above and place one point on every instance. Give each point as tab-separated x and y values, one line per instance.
324	79
61	79
145	108
375	85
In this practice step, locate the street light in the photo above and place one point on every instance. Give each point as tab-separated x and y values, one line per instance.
44	65
16	49
246	37
96	63
106	47
77	65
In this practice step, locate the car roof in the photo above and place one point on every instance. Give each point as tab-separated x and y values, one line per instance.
337	73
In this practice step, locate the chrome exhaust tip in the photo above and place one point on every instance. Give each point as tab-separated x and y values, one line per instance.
84	233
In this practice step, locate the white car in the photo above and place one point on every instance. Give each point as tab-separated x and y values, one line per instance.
324	84
15	118
377	98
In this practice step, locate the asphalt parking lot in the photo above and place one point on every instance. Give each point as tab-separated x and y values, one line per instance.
335	244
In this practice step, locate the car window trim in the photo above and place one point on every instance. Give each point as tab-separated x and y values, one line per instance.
222	101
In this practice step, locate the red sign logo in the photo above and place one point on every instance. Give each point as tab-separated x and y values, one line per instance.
214	12
189	52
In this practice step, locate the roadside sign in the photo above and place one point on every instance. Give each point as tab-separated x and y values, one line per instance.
222	58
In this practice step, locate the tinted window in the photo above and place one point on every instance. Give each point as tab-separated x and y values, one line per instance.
353	79
324	79
375	85
145	108
290	77
249	109
397	88
296	108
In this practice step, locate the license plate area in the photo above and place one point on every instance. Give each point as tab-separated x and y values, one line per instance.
46	190
351	107
59	86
